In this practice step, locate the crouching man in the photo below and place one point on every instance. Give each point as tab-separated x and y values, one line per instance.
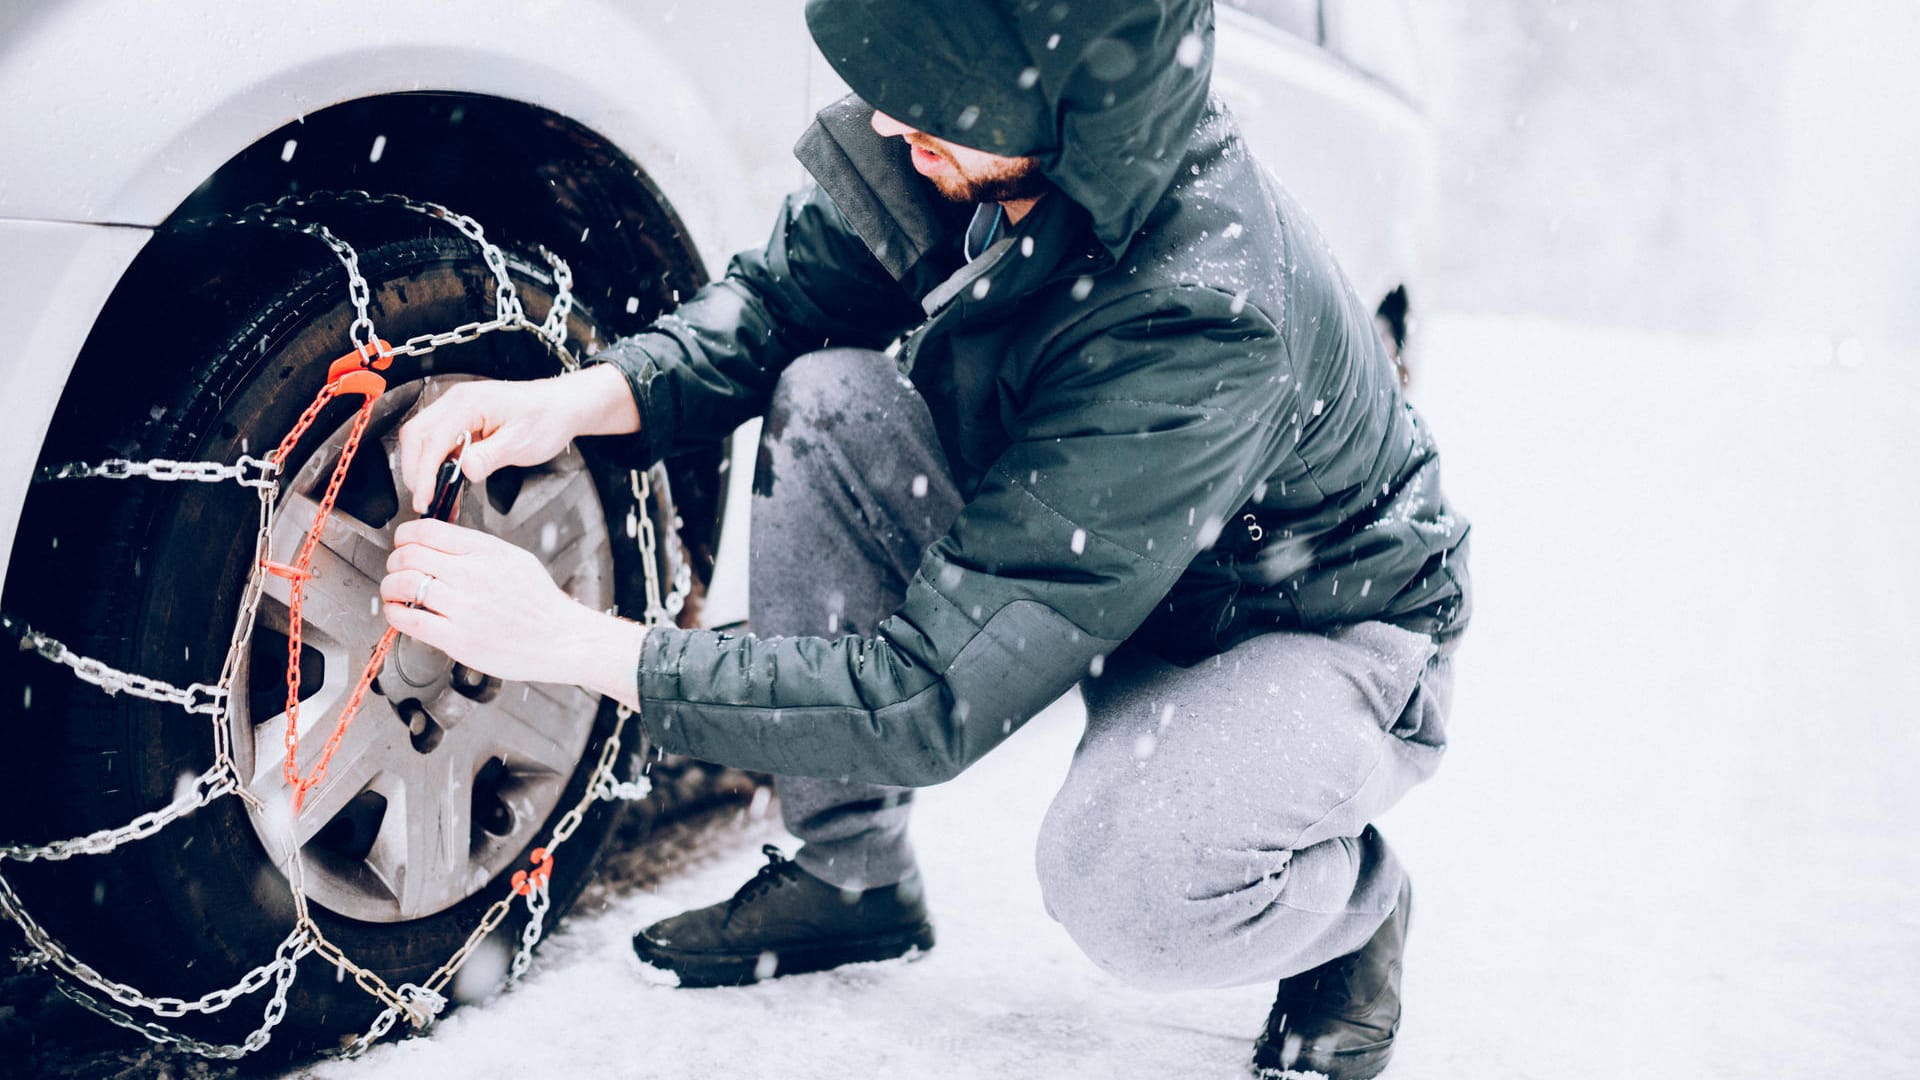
1060	388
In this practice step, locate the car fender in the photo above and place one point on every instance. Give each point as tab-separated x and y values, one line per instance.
1358	156
195	81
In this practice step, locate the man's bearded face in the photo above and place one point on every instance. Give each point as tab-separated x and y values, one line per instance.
963	174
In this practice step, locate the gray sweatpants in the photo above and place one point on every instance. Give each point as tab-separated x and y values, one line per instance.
1213	827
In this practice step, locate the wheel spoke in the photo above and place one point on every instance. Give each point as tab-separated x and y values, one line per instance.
422	850
546	516
373	743
340	598
557	517
582	570
265	736
389	445
350	540
535	728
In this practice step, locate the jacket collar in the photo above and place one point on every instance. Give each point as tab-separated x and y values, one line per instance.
916	235
862	172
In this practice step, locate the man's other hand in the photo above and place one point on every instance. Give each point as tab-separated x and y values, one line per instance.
491	606
511	423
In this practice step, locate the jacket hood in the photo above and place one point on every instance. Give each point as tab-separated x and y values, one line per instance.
1105	93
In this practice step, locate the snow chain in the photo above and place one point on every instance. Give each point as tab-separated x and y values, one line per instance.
418	1004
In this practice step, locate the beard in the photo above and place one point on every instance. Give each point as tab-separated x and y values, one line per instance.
1019	179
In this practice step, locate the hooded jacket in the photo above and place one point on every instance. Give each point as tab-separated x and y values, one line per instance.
1171	419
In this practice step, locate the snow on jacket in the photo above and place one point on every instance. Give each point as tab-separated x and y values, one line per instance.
1170	417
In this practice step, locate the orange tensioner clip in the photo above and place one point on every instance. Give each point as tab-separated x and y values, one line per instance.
357	373
524	882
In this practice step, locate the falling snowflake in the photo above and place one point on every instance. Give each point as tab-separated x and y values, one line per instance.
766	965
1190	50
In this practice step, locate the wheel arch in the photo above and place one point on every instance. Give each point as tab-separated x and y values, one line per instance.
529	175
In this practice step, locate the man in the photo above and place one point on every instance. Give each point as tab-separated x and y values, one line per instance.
1132	431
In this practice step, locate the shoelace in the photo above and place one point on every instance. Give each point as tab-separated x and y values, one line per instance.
779	870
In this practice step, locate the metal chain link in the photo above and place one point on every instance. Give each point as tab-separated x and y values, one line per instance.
537	904
419	1004
196	698
660	608
276	1010
289	952
359	293
554	326
249	471
205	788
243	633
612	788
509	312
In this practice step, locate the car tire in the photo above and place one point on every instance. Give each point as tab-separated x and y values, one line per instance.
194	907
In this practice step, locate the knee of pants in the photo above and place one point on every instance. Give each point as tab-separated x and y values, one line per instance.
828	417
1152	907
815	390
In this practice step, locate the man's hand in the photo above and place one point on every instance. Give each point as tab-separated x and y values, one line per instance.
491	606
512	423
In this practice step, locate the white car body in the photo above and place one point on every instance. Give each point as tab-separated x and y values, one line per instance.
117	110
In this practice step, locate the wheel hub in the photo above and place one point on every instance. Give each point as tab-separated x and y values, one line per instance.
418	664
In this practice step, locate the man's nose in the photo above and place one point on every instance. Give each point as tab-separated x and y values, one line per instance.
888	126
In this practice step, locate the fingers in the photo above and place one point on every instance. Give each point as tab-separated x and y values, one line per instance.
477	463
410	452
431	566
441	536
420	624
434	433
511	423
414	588
415	437
443	566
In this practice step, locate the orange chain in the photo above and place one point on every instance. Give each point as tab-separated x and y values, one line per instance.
351	374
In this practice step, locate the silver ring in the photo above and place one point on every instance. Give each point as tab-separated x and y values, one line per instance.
420	591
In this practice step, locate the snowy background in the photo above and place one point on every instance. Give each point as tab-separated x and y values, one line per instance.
1710	166
1674	379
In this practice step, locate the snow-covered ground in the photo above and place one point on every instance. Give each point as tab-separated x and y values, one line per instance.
1675	836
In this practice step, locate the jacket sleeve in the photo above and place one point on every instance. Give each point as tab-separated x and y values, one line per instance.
700	371
1113	484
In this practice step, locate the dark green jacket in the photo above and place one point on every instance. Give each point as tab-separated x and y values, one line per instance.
1171	418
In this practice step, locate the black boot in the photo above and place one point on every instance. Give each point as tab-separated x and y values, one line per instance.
1338	1020
785	921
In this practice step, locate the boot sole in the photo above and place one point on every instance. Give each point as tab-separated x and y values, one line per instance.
1360	1063
703	969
